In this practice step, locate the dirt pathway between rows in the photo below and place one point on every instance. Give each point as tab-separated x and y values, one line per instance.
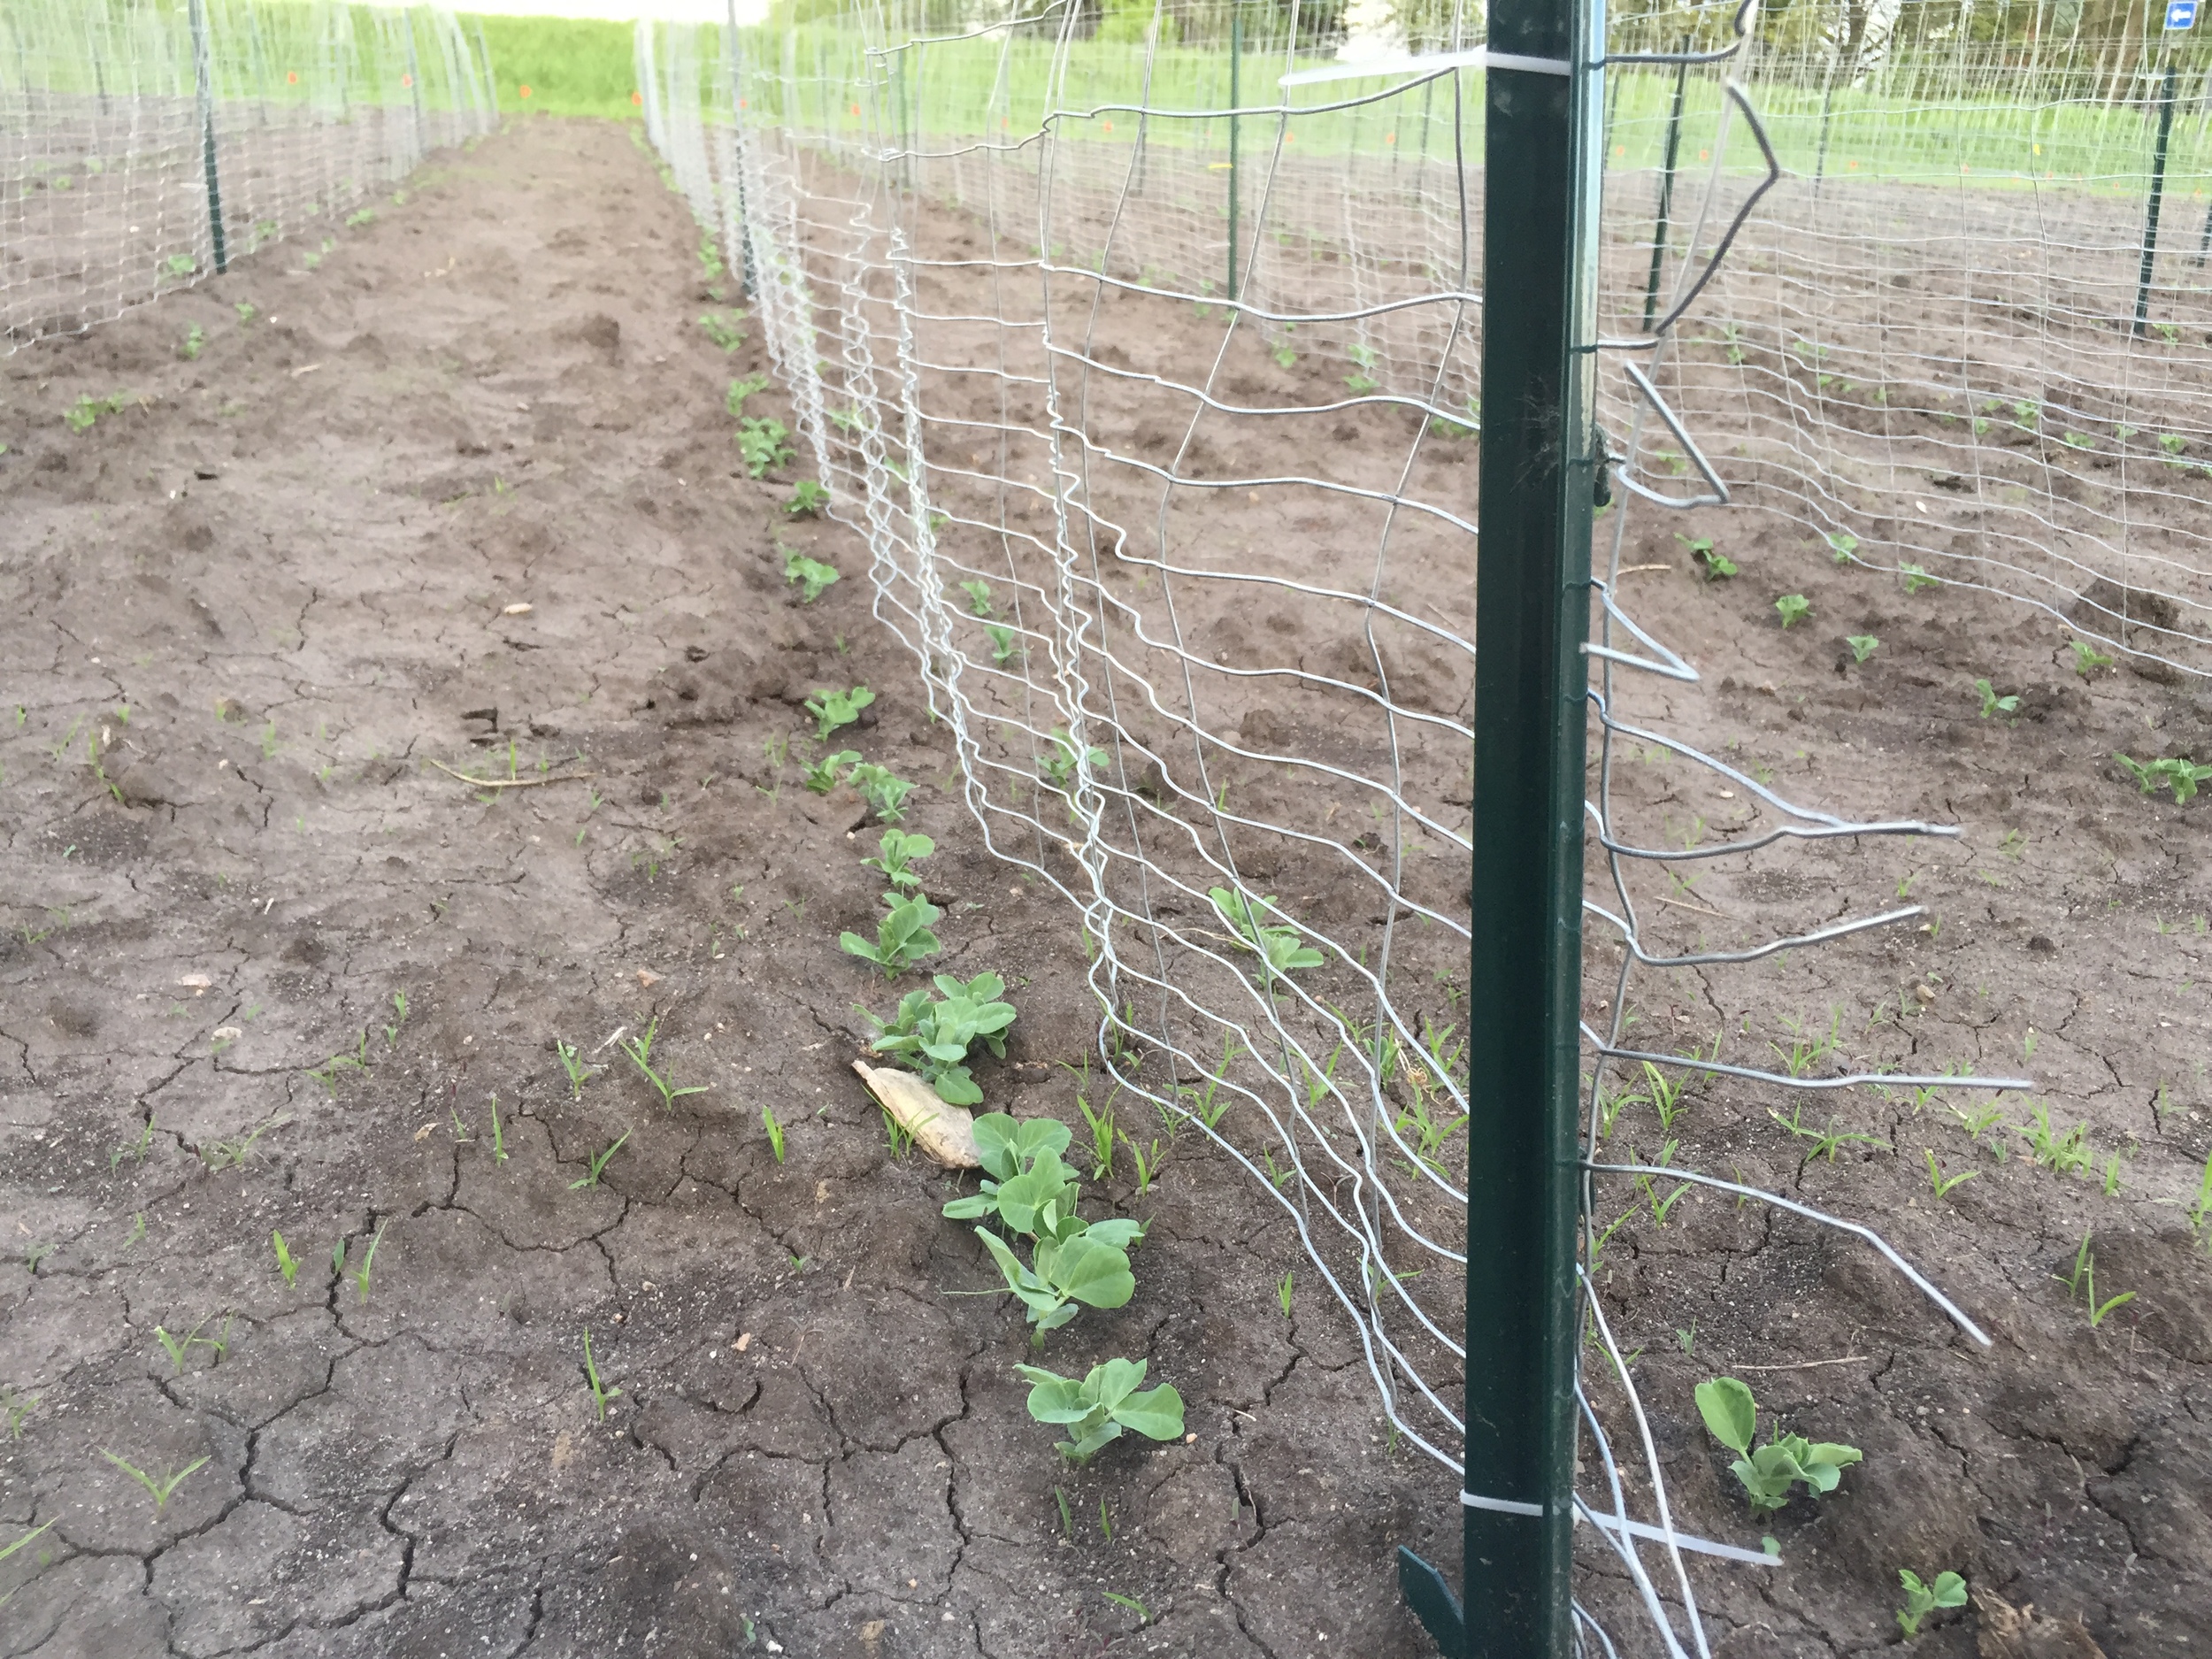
300	561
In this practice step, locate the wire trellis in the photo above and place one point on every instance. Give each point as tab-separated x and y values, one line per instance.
144	144
1167	481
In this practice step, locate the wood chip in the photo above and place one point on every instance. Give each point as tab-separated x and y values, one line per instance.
946	1133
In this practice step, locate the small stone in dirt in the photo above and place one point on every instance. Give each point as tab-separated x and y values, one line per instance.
199	982
520	609
744	1341
647	977
2041	945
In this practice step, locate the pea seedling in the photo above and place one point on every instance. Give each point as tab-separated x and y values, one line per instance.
740	390
897	854
1916	577
882	788
1058	765
2174	772
979	594
1769	1472
1793	608
902	937
724	331
933	1035
1948	1590
808	496
590	1178
640	1052
1095	1411
765	445
1279	945
1862	646
194	342
811	575
600	1394
1717	566
832	708
1003	647
160	1488
1991	703
821	776
2087	658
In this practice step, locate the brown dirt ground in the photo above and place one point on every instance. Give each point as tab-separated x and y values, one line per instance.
423	1472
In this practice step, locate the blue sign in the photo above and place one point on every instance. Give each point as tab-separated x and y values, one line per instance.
2181	14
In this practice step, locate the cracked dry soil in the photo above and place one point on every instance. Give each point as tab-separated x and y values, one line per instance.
293	560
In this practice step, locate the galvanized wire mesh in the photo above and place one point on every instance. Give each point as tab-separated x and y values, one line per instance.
145	143
1161	440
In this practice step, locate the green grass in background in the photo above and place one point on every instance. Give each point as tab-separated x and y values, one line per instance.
572	66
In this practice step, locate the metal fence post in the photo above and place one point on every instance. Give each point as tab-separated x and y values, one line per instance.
737	150
1531	618
1666	189
414	79
1236	97
2158	194
203	77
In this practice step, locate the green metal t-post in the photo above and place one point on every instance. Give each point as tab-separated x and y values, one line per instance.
204	81
2158	194
1531	619
1236	97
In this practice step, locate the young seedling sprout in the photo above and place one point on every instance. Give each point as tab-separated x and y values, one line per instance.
1862	646
811	576
740	390
599	1163
2087	658
578	1070
640	1052
979	594
2083	1281
287	1264
2174	772
808	498
1793	608
1948	1590
1717	566
775	1131
1769	1472
897	854
1095	1411
359	1275
883	789
902	937
821	777
833	708
160	1488
764	445
1991	703
600	1393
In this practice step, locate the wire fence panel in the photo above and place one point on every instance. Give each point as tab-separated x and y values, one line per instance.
1148	367
146	143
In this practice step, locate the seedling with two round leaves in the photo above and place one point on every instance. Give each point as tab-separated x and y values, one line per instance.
2087	658
1004	647
902	937
1948	1590
1991	703
1008	1151
640	1052
933	1035
979	594
1281	945
897	852
1717	566
1793	608
808	496
724	331
765	445
1768	1472
1862	646
832	708
1096	1410
811	575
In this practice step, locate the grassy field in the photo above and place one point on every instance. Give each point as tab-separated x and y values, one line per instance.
572	66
